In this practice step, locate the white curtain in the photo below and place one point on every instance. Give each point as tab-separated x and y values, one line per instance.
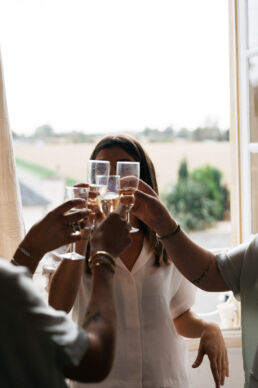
11	221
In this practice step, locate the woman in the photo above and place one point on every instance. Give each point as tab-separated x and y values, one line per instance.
153	300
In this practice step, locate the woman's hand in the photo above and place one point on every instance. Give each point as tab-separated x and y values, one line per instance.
149	209
57	228
212	344
111	234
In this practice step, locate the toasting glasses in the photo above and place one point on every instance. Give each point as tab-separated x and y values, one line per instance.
111	198
97	189
129	180
73	192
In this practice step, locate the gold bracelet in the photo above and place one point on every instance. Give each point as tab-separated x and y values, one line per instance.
101	253
105	260
99	262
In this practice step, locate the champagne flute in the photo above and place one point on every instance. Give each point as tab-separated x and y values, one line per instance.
96	168
129	180
110	200
73	192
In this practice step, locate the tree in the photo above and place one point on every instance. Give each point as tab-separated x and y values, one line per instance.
184	133
168	132
198	199
183	170
44	131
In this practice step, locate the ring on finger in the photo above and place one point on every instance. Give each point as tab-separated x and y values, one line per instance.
76	226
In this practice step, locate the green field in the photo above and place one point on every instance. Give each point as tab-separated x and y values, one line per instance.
41	171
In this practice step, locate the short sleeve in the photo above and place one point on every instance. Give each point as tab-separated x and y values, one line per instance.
230	266
49	326
184	297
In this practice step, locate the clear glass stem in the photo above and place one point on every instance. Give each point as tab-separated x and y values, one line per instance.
73	247
128	216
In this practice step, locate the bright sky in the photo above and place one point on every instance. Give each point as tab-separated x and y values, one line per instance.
115	65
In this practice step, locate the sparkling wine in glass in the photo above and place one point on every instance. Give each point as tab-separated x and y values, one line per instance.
109	201
96	168
129	180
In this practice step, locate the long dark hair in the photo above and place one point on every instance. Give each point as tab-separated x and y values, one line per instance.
147	174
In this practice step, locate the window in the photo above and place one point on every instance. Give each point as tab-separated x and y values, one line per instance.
104	67
244	108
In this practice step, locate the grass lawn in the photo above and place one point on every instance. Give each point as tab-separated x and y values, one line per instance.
40	171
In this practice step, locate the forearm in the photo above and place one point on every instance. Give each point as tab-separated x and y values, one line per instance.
64	284
197	264
189	325
100	325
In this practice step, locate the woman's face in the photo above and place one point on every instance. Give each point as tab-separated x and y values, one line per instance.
113	155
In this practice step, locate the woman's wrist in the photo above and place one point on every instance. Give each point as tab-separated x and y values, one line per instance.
168	225
25	254
103	272
210	326
100	259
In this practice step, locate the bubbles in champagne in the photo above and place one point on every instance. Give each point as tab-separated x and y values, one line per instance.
109	202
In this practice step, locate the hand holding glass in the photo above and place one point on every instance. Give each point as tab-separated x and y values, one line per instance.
73	192
129	180
96	168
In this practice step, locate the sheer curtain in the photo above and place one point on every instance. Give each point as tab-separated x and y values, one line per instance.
11	221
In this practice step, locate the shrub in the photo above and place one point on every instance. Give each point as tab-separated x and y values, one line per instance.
198	199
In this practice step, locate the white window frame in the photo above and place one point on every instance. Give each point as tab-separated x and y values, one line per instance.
242	148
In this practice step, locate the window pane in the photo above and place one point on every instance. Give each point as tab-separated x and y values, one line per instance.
253	91
254	191
252	23
142	87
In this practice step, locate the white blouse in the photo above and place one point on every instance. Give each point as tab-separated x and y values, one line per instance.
149	352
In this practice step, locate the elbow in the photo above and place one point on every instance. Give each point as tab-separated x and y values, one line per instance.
91	369
97	361
103	372
104	360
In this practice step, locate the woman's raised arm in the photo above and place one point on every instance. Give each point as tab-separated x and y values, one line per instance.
65	281
197	264
64	284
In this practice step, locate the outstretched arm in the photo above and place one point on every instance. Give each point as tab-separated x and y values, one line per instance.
64	284
197	264
100	319
99	323
65	281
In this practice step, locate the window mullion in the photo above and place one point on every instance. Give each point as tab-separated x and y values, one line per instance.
244	115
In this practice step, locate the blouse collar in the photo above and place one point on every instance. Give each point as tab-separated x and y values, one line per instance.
145	255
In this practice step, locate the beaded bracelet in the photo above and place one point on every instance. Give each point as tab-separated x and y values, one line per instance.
169	234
